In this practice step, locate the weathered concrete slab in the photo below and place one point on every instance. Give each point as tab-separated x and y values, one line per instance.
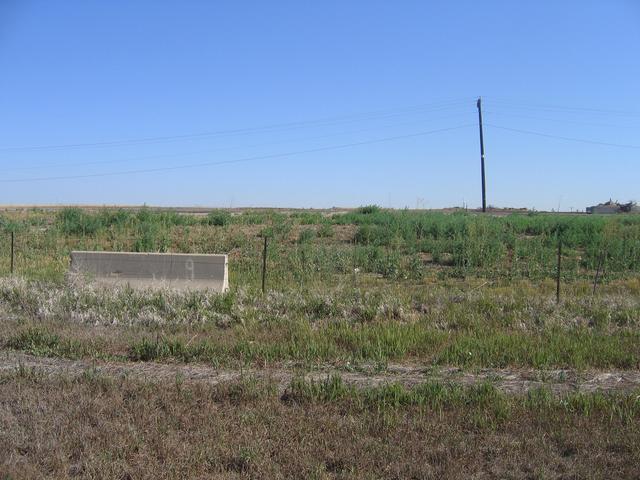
174	270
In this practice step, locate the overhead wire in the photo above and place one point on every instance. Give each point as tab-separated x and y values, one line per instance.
328	121
240	160
325	122
560	108
558	120
208	151
560	137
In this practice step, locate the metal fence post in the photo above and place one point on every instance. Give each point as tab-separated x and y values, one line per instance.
12	250
264	264
559	270
597	277
355	264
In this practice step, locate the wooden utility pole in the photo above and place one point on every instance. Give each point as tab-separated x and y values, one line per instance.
484	191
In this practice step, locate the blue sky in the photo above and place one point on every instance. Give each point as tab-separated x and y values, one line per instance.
318	104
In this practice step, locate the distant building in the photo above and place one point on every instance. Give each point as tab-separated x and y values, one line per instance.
614	207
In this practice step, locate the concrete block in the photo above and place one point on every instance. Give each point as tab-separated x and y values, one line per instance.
173	270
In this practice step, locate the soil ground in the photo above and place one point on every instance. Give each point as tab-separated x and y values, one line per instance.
511	381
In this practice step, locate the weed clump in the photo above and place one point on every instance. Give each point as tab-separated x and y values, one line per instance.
218	218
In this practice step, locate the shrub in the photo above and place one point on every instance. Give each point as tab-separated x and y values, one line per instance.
325	230
306	235
150	238
368	209
73	221
218	218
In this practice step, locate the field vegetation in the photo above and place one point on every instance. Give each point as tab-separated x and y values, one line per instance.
369	285
360	290
309	246
93	426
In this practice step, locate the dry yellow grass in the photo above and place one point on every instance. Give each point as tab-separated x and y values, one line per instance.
95	427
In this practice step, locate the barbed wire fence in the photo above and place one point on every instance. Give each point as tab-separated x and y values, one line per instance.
42	253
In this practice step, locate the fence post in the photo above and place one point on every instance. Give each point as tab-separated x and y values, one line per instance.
12	250
559	269
595	280
264	263
355	265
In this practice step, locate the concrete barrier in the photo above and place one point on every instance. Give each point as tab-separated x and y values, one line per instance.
174	270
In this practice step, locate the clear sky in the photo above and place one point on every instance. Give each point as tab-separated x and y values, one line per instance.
319	104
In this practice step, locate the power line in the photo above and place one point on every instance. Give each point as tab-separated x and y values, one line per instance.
559	120
208	151
566	108
246	159
572	139
423	108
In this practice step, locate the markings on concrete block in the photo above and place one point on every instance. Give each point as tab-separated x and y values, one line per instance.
175	270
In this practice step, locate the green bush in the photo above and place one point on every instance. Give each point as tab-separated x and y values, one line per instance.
74	221
368	209
306	235
325	230
218	218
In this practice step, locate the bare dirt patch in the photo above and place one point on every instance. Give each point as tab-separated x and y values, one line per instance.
511	381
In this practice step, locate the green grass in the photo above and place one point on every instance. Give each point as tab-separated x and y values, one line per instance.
42	342
387	242
511	325
396	343
370	285
346	344
483	397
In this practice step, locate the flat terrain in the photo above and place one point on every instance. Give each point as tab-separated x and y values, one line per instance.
94	427
509	381
389	344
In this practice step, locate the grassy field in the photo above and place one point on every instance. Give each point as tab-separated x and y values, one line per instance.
359	290
310	247
96	427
